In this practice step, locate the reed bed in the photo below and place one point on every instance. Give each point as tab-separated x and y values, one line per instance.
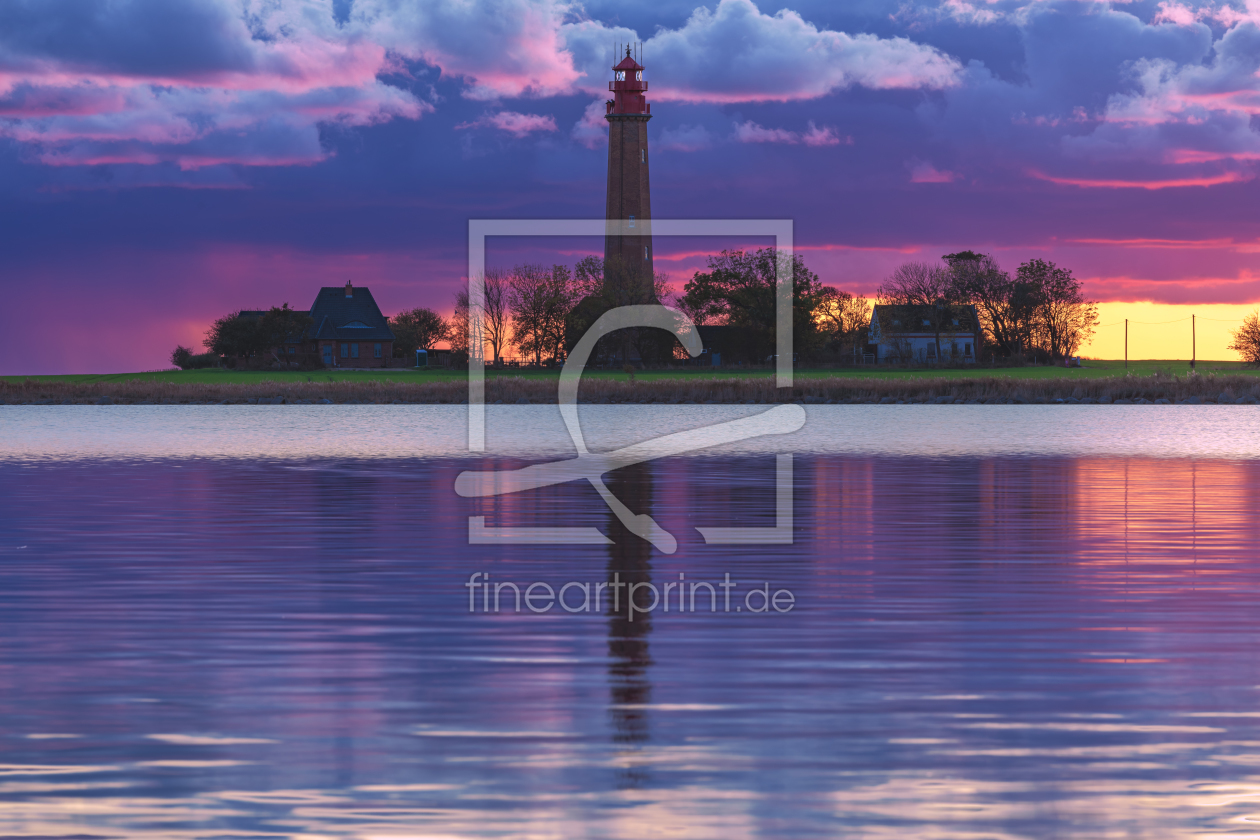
513	390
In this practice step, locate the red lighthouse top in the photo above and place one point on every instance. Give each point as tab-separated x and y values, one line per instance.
628	88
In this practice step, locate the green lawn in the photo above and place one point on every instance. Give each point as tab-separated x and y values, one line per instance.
1088	370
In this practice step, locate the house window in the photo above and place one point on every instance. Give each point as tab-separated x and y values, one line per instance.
926	322
377	351
638	75
896	323
931	351
354	351
632	221
345	350
642	155
967	349
955	322
645	252
292	349
621	75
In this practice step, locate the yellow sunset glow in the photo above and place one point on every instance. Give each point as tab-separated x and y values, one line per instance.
1152	336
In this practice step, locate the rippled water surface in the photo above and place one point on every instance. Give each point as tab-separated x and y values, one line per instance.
1025	622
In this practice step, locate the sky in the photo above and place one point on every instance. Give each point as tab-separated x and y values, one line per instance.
162	163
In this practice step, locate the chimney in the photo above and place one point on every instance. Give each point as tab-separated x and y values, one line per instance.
349	290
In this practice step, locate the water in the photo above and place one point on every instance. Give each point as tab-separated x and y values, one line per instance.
1024	622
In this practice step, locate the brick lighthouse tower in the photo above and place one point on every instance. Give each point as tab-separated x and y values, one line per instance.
629	198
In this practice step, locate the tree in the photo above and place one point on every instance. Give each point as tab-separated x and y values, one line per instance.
235	334
539	299
458	326
923	284
495	310
185	359
917	284
739	290
417	329
1247	339
1065	319
281	325
843	317
598	287
561	301
1006	308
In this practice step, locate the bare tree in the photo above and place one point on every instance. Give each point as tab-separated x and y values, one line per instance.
539	300
457	334
1007	307
496	311
916	284
922	284
588	276
1065	319
1247	339
843	316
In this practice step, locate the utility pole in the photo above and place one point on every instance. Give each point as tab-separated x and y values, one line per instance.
1192	342
1126	343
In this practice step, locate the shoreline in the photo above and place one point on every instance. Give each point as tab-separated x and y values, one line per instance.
1155	389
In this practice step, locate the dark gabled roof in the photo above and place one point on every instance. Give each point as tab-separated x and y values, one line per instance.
333	312
900	320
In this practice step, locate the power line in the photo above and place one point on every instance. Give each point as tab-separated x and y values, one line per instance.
1162	323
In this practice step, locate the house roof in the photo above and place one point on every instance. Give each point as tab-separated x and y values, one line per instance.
902	320
341	318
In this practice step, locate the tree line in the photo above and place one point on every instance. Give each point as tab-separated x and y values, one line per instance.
1040	311
541	311
245	334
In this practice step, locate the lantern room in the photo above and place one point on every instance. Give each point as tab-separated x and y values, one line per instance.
628	88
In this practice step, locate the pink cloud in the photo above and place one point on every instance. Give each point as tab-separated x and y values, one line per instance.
514	123
824	136
1172	12
262	107
511	48
284	70
592	129
1169	244
1240	289
923	172
751	132
735	53
1152	184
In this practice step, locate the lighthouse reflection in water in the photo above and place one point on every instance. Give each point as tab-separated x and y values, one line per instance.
1004	646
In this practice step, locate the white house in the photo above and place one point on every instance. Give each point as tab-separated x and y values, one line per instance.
910	333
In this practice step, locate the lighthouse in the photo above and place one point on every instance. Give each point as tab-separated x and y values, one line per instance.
629	196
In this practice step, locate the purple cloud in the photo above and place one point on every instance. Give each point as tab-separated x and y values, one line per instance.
923	172
513	122
751	132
